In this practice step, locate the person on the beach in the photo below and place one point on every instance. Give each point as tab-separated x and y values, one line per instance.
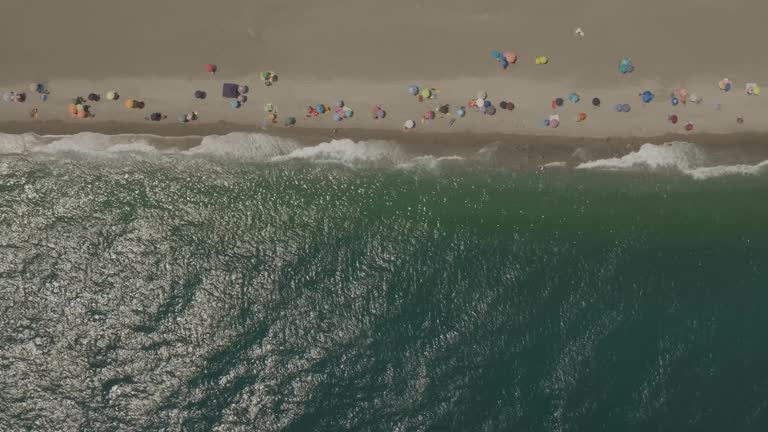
34	113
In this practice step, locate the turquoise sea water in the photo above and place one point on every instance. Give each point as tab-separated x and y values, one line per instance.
144	291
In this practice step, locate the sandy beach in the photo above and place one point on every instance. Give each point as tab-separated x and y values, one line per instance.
368	54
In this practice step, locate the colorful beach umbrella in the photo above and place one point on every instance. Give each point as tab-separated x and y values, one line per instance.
647	96
510	56
574	98
496	54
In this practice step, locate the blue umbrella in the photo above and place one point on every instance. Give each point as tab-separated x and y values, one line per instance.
336	117
461	112
546	122
674	101
491	110
496	54
413	90
574	98
487	104
619	108
320	108
647	96
626	108
235	103
8	96
504	63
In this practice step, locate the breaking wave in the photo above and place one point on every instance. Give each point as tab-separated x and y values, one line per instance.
683	157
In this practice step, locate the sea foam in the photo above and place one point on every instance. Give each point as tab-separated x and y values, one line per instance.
683	157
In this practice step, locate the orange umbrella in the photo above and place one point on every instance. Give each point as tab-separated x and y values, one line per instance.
129	103
72	109
510	56
82	114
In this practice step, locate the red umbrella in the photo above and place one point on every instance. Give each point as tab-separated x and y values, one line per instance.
430	115
211	68
689	126
672	118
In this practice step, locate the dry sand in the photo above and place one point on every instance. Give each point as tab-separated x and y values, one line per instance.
369	52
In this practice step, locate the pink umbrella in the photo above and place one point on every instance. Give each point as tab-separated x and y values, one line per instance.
554	123
430	115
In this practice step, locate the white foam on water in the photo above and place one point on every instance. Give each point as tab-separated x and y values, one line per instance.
683	157
240	145
556	164
348	152
16	144
429	162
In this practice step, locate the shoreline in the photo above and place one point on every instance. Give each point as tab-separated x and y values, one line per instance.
519	151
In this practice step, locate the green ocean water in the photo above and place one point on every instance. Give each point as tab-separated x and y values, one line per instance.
177	292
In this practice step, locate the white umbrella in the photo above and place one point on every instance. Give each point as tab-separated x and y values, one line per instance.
410	124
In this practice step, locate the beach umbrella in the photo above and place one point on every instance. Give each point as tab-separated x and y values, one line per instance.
647	96
112	95
243	89
559	101
337	117
93	97
461	112
235	104
481	95
430	115
504	63
290	121
674	101
542	60
193	116
510	106
426	93
503	105
619	107
265	75
199	94
510	56
487	104
480	103
348	112
574	98
756	91
72	109
155	116
339	103
129	103
413	90
482	109
491	110
140	104
582	117
82	114
268	107
626	108
689	126
739	120
596	102
380	114
211	68
695	98
545	122
8	96
554	123
182	118
80	107
496	54
410	124
672	118
242	98
320	108
20	97
273	77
